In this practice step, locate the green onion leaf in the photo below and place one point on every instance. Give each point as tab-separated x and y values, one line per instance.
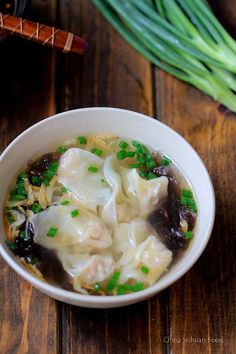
141	159
143	174
74	213
165	161
188	235
121	155
65	202
123	144
53	166
17	197
130	154
23	175
11	218
64	189
62	149
134	165
136	143
36	208
187	193
93	169
97	152
82	140
52	232
10	245
36	180
137	287
112	282
145	269
23	234
121	290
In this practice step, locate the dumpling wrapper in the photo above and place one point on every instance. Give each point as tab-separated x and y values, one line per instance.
87	187
119	208
87	270
148	193
127	236
151	253
86	230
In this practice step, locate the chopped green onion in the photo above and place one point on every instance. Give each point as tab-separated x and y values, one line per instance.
36	208
145	269
187	193
130	153
23	234
121	155
141	159
150	164
128	287
165	161
21	190
183	200
93	169
97	152
48	175
65	202
123	144
134	165
136	143
53	166
188	200
192	205
17	197
10	245
112	282
74	213
82	140
97	287
188	235
121	290
151	175
11	218
52	232
36	180
143	174
23	175
103	180
137	287
62	149
64	189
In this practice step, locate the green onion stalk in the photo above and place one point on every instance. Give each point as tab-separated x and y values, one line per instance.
181	37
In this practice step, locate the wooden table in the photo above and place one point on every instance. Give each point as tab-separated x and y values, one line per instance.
198	313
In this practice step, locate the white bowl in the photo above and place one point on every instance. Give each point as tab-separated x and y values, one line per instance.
52	131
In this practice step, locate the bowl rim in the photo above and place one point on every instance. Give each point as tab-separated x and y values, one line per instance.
111	299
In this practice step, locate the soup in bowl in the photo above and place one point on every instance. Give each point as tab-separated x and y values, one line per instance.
109	211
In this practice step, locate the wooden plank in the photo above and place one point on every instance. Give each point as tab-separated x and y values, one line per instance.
203	303
28	319
110	74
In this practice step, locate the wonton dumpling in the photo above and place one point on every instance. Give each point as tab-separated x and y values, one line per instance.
127	236
86	186
151	253
147	192
86	230
86	269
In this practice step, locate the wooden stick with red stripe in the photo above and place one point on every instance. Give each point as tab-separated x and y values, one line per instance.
45	35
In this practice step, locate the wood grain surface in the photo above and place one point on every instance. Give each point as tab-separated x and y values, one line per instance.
198	313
